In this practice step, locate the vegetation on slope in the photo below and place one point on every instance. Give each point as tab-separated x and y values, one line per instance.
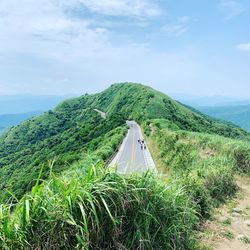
89	207
54	136
206	162
74	127
100	210
141	103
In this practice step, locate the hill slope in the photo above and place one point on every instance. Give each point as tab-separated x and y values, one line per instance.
138	102
74	128
238	114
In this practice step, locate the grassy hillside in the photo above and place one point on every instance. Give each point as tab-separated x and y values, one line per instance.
64	135
238	114
84	205
206	163
100	210
140	103
74	127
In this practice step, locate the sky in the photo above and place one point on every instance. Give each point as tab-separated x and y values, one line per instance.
58	47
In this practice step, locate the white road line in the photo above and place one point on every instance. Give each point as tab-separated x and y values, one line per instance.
150	165
147	155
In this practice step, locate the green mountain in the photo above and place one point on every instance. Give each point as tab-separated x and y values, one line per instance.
238	114
76	202
73	129
141	103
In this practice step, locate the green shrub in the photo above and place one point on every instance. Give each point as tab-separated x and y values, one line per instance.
100	210
198	193
220	183
203	164
242	159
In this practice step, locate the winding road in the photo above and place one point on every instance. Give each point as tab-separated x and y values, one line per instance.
130	157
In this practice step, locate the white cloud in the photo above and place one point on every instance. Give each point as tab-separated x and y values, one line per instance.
178	27
136	8
39	39
44	27
244	47
231	8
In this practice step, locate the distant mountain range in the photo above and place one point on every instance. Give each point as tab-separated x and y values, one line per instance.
16	104
230	109
16	108
200	101
238	114
9	120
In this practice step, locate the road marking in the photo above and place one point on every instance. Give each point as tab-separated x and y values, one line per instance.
127	166
133	152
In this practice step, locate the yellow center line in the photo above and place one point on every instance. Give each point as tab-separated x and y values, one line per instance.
133	152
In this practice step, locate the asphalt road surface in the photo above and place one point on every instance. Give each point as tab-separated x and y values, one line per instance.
131	158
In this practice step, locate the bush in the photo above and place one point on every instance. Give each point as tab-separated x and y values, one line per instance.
101	210
242	159
196	190
220	183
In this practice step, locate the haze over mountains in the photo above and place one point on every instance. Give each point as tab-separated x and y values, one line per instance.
237	114
8	120
14	104
214	100
231	109
16	108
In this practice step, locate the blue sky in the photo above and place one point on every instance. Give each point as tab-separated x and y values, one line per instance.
198	47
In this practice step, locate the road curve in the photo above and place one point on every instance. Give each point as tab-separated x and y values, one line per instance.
130	157
102	114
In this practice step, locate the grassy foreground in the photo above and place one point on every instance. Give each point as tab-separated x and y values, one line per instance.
99	209
207	163
92	207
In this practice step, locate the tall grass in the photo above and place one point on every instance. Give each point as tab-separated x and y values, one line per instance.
100	210
204	164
